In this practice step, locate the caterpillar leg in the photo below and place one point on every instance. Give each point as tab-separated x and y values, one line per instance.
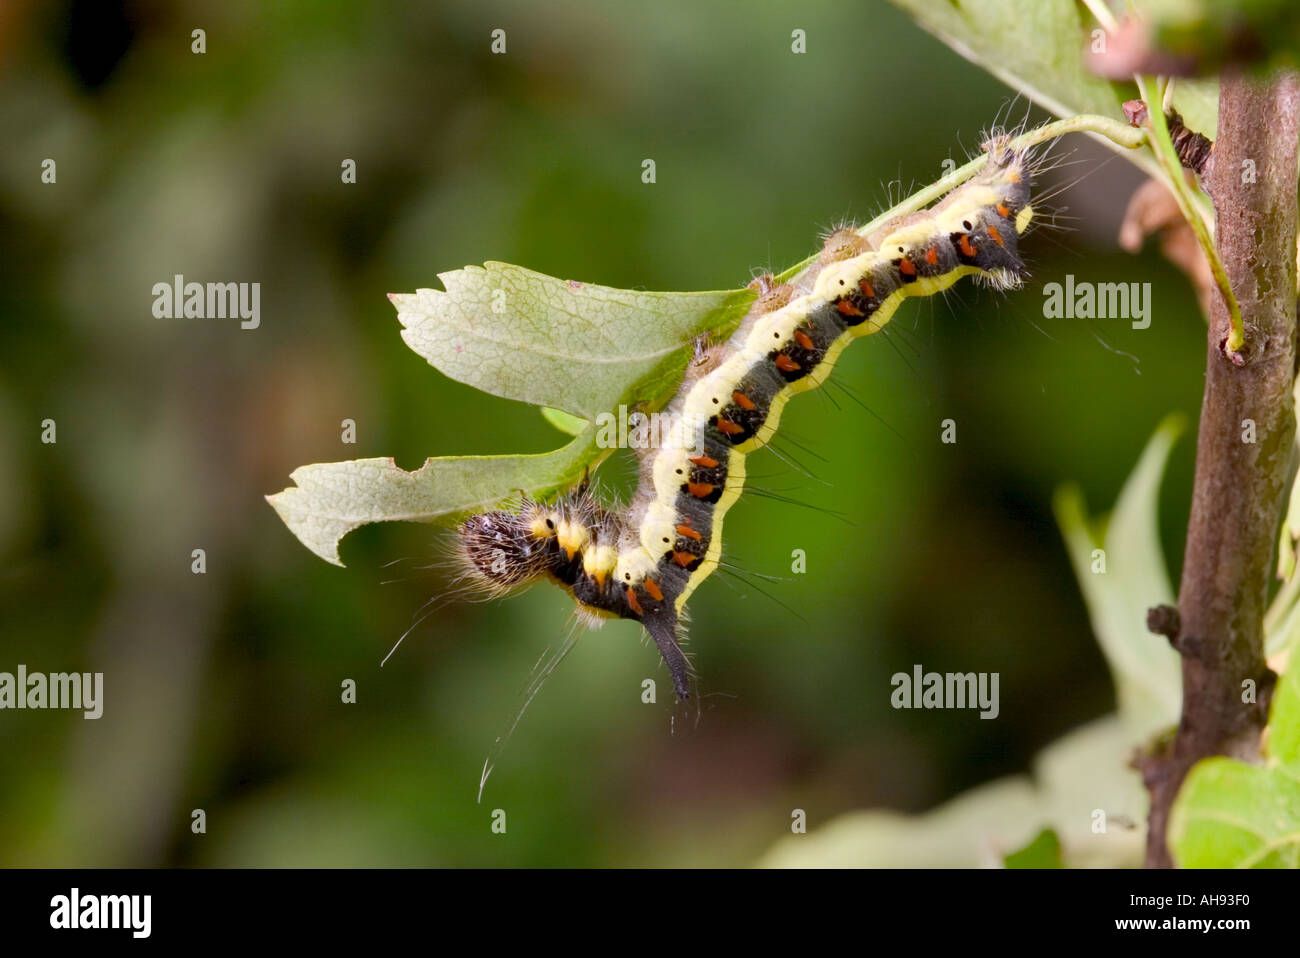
663	629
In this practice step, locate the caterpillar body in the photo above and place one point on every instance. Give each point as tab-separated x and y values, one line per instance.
645	561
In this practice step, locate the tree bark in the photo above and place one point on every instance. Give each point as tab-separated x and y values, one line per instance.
1244	445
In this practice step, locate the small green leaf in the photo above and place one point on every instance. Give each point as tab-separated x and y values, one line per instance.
1043	852
1147	674
1232	815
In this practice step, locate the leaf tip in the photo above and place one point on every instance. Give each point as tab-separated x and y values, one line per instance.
1068	504
283	504
1173	425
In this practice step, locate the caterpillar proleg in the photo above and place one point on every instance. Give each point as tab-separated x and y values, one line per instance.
645	561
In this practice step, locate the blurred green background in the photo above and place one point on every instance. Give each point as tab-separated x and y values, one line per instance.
222	690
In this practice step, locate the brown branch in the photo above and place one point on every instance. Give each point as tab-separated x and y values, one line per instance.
1240	484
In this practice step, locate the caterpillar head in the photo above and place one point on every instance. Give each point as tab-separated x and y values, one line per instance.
503	550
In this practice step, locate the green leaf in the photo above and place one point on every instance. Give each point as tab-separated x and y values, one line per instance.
330	499
1232	815
1037	47
1147	673
1043	852
574	348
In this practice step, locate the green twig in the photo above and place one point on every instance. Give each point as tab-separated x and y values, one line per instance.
1163	148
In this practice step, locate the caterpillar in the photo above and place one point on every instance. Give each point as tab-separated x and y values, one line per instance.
644	562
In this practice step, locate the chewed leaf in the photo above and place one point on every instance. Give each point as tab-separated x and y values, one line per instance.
330	499
576	349
1232	815
572	346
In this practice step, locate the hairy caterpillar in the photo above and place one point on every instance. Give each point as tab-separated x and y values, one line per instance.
644	562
